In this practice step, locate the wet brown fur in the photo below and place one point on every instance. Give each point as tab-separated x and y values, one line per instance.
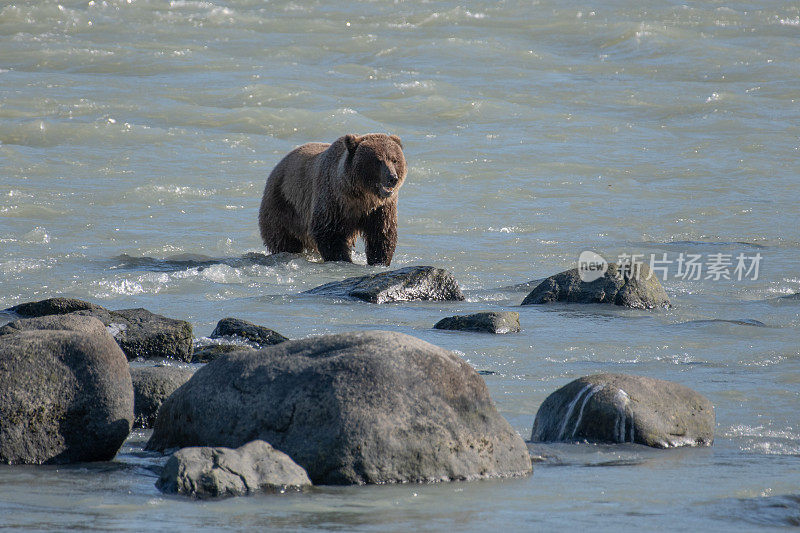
323	196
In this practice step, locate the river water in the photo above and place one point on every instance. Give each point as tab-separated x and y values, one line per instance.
136	137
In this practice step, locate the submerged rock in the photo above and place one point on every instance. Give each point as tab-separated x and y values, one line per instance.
139	332
203	472
365	407
403	285
623	408
65	396
629	287
489	322
151	386
260	336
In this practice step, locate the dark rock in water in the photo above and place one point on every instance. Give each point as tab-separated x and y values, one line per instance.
629	287
151	386
85	324
743	322
65	396
139	332
490	322
209	352
260	336
146	334
403	285
52	306
203	472
364	407
624	408
795	296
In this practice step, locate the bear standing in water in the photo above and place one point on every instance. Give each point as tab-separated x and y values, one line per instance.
322	196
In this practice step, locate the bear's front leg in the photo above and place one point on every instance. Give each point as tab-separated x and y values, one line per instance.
332	245
380	234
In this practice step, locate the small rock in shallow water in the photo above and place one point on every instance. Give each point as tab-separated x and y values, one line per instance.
260	336
52	306
489	322
209	352
151	386
204	472
623	408
629	287
403	285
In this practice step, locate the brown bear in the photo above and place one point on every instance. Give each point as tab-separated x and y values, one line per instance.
322	196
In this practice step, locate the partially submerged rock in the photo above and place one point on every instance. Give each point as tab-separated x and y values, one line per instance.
208	352
204	472
365	407
623	408
52	306
489	322
403	285
630	287
70	322
151	386
139	332
65	396
259	336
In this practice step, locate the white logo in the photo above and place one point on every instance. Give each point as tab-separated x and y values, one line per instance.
591	266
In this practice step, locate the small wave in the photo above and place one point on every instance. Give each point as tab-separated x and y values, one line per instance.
196	261
176	191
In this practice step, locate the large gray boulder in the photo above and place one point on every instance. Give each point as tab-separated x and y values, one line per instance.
139	332
629	287
487	322
364	407
151	386
65	396
623	408
204	472
403	285
257	336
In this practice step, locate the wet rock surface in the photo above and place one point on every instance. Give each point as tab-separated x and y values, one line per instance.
623	408
403	285
205	472
65	396
259	336
364	407
628	287
488	322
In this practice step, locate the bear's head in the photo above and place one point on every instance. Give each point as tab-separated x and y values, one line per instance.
378	162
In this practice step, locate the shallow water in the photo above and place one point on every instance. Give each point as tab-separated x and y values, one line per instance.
136	136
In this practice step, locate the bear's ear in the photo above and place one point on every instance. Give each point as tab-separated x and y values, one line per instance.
351	142
396	139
